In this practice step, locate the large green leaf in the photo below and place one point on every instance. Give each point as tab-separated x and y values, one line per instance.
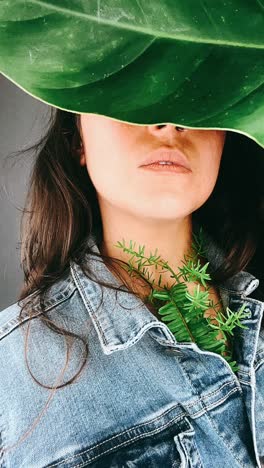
196	63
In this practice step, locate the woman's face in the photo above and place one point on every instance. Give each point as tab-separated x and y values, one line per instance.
114	151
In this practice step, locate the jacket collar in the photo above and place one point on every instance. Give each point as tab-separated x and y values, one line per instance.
121	321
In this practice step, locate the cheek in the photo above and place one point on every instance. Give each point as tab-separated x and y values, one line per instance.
106	175
211	157
208	178
204	181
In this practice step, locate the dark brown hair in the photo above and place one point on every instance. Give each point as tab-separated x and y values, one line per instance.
62	211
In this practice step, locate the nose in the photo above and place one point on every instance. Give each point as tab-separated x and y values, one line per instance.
168	128
166	131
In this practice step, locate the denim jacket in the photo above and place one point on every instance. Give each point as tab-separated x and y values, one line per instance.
142	399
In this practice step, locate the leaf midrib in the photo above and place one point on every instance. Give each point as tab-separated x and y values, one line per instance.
156	33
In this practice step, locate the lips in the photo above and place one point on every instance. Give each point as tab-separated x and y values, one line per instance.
164	154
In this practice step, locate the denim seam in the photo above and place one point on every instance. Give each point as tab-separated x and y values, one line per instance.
157	430
208	395
245	383
162	342
98	325
136	338
207	414
218	402
224	441
244	372
253	392
2	443
64	292
213	405
28	317
82	291
259	364
179	442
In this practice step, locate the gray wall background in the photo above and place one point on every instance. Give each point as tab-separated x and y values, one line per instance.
22	120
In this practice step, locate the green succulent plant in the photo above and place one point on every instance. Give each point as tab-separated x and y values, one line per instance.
184	312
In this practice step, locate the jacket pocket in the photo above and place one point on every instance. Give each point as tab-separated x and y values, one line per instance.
152	444
187	449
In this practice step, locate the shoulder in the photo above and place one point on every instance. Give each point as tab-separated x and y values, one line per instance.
7	315
13	316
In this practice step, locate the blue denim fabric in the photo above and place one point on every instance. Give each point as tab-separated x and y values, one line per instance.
143	399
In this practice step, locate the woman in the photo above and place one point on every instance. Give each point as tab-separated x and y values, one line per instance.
132	395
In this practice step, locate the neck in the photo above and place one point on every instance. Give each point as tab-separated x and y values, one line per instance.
172	239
